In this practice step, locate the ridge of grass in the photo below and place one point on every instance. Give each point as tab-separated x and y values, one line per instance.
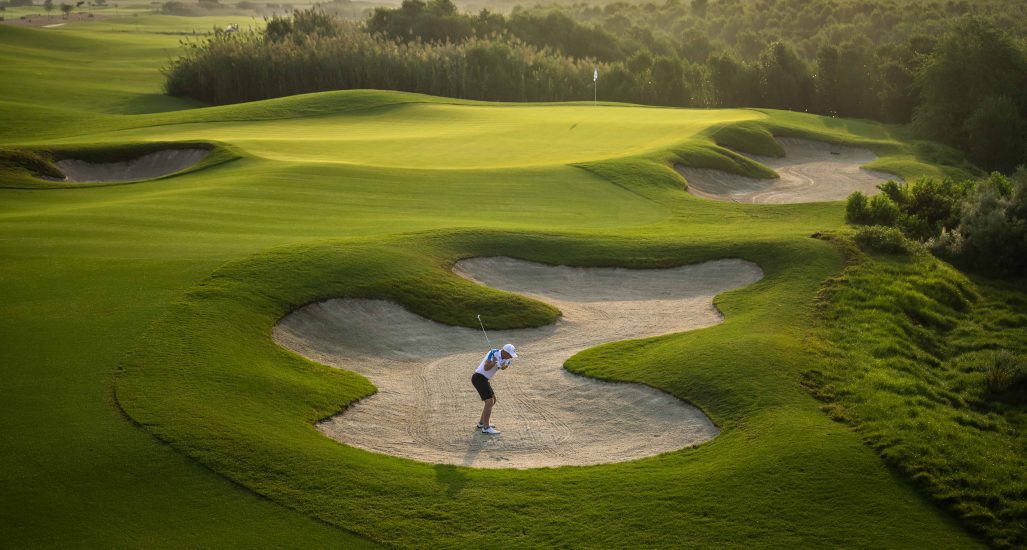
908	368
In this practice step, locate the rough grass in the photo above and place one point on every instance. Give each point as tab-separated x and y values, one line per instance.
907	344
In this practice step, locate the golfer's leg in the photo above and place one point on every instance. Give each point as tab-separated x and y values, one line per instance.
485	414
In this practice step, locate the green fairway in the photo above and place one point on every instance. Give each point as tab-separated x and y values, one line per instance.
146	404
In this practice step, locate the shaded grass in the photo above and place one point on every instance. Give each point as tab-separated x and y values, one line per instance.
905	341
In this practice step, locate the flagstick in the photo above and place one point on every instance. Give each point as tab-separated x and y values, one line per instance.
595	87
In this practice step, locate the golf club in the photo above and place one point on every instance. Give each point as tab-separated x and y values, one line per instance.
485	333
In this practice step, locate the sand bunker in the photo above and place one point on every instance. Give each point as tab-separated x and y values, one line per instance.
811	171
146	167
426	408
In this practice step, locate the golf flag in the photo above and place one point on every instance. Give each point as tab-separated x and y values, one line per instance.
595	75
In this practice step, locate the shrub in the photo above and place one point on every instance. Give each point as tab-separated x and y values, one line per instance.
897	192
857	211
883	211
883	239
992	233
877	210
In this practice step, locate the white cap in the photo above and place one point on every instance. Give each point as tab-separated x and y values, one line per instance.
510	349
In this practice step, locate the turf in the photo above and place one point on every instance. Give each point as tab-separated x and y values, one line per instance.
909	367
159	297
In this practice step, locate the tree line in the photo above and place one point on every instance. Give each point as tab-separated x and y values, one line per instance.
958	71
313	52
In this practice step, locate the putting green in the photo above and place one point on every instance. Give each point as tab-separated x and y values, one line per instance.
428	135
161	296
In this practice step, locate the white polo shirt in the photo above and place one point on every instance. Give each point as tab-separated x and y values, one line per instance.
500	362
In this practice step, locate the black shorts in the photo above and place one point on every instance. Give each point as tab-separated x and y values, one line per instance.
483	386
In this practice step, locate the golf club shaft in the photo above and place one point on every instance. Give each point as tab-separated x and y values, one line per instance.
483	332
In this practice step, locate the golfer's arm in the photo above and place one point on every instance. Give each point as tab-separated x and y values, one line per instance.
489	365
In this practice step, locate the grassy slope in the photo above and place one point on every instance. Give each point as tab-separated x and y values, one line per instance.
95	267
908	367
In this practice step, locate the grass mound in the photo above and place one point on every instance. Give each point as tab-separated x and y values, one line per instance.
927	365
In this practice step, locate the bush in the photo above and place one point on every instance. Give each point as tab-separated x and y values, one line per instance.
883	239
857	210
992	232
877	210
883	211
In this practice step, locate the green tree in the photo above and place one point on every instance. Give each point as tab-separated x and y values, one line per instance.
995	134
668	82
733	83
827	80
971	64
855	92
785	81
49	7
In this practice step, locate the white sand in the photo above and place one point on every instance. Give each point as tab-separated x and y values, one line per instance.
146	167
811	171
426	408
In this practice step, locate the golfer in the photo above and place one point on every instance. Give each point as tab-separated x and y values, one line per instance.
494	361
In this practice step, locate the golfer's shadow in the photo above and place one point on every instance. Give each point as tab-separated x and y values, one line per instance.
451	477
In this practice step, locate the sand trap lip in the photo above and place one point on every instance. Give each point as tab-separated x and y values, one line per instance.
811	171
149	166
425	408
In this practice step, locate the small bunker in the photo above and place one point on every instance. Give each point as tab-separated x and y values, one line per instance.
810	171
148	166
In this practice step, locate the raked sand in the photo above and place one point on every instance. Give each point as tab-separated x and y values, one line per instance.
811	171
426	408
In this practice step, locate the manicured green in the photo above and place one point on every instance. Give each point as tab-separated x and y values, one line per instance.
159	298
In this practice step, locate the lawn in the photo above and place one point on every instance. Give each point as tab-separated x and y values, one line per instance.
146	404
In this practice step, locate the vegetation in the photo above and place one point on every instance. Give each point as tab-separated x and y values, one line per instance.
930	368
226	68
980	224
178	281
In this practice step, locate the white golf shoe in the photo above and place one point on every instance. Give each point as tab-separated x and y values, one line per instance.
490	431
